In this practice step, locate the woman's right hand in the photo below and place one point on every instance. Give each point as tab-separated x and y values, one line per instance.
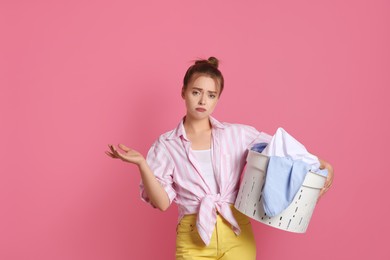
129	155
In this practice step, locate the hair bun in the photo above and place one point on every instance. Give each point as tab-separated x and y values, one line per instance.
211	60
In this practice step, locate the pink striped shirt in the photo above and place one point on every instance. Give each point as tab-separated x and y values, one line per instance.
175	167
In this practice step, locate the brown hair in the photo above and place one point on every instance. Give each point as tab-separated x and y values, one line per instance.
207	67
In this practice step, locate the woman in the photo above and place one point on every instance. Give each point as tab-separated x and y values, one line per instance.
198	165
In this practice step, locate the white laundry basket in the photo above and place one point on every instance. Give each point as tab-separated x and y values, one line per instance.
296	217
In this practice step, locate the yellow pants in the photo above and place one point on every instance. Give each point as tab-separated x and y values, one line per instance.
224	244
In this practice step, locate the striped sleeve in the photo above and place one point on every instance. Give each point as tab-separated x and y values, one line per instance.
162	167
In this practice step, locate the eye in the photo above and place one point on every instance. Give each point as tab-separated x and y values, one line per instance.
195	92
212	96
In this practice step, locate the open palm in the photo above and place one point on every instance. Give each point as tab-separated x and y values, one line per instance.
126	154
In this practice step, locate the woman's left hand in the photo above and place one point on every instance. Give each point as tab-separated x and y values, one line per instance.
329	178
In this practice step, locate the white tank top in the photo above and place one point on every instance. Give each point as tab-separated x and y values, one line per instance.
206	168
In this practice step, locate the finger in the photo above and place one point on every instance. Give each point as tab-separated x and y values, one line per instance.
117	154
124	147
113	150
328	183
322	192
110	154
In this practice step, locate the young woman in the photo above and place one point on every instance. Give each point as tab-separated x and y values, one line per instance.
198	165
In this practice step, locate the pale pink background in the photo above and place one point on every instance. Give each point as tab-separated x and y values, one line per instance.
77	75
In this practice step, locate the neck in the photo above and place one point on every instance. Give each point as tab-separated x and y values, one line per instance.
193	126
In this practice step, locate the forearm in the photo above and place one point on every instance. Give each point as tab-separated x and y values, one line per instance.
156	193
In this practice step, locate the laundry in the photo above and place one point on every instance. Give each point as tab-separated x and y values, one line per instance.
259	147
283	180
287	168
283	144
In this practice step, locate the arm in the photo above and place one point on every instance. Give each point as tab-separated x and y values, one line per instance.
158	196
156	193
329	179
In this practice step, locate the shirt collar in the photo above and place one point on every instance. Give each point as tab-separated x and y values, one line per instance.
180	131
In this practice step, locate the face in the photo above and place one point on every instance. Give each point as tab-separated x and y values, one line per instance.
201	97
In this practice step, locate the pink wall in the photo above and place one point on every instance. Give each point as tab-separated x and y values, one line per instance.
77	75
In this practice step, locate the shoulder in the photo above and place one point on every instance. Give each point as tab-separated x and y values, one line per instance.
166	140
166	135
161	141
160	146
239	127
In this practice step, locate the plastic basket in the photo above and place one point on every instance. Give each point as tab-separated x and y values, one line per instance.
296	217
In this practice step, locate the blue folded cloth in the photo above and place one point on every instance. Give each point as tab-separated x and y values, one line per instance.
259	147
283	179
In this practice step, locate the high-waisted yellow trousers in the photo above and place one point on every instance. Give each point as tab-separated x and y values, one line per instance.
224	244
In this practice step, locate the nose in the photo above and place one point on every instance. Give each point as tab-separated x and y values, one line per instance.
202	100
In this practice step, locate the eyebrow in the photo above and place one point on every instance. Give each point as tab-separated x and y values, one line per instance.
201	89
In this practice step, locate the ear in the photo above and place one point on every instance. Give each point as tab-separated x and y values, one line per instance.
182	92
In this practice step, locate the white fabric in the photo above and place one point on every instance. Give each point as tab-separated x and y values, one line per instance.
206	168
284	145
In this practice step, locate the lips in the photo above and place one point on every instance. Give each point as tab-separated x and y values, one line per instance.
199	109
